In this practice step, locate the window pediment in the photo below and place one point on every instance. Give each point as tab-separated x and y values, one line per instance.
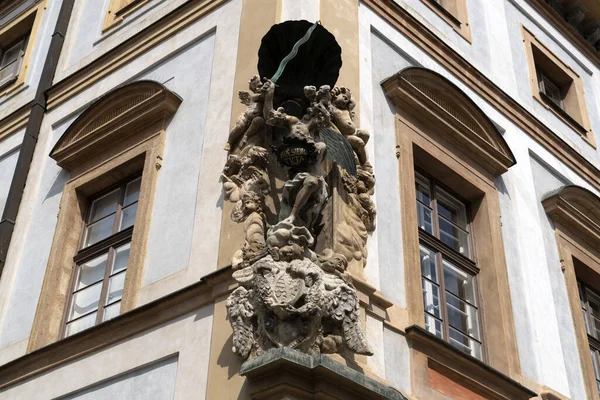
429	95
576	209
113	118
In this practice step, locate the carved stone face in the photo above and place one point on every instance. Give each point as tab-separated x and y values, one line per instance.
290	252
341	101
249	205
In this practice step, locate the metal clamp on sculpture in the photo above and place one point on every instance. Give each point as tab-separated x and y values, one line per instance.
290	296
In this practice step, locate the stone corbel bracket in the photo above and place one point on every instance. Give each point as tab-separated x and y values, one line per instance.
285	373
124	112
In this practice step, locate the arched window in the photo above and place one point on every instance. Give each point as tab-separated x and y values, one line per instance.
112	152
575	213
459	308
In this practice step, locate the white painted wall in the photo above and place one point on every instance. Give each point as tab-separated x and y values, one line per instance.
20	97
183	239
199	65
170	359
153	382
545	338
9	153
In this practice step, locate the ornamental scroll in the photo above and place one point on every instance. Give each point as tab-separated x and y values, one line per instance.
295	149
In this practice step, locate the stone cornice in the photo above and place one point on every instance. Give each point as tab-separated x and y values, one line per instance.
441	353
130	49
188	299
567	30
577	210
113	118
475	80
282	372
435	98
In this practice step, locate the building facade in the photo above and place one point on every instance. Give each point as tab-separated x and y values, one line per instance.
478	277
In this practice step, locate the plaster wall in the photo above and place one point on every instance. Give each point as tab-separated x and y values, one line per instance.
542	317
183	239
169	361
154	382
519	13
16	99
9	153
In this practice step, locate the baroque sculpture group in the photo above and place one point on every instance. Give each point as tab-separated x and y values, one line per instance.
301	184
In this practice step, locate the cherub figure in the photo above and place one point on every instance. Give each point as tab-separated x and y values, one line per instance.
299	127
245	171
342	116
249	210
251	120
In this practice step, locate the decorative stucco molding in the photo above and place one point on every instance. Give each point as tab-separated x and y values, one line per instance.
435	98
115	117
576	209
313	377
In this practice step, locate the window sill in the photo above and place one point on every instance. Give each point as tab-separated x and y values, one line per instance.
565	117
462	28
462	368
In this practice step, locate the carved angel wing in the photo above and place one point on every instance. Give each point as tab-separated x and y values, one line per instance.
339	149
345	310
240	312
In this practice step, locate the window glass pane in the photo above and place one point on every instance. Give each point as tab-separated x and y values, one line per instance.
459	282
550	89
99	230
462	316
12	54
128	216
465	344
104	206
595	362
428	268
594	310
9	72
85	301
434	326
115	287
431	298
451	208
424	217
454	236
81	324
422	186
132	192
121	258
91	271
111	311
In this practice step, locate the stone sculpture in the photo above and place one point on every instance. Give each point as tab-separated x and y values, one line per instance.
288	295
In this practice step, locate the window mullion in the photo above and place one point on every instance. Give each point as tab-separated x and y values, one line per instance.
104	293
434	211
119	209
443	304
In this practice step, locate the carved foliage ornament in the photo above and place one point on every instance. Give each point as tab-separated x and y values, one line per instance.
290	296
